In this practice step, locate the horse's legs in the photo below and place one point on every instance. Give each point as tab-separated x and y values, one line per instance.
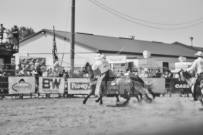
91	93
152	93
100	100
126	95
117	98
102	93
201	101
147	98
135	92
137	96
141	97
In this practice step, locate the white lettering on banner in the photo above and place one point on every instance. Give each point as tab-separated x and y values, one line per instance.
79	86
182	86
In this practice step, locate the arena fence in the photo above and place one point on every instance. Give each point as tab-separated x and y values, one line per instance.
21	86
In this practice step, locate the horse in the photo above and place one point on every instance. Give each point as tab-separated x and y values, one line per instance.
87	69
184	75
136	87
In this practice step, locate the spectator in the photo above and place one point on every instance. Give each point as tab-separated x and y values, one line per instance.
158	74
2	29
167	74
145	73
50	72
45	73
177	76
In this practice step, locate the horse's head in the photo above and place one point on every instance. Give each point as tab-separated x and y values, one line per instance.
185	74
87	68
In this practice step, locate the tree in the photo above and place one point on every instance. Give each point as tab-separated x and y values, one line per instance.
25	32
22	31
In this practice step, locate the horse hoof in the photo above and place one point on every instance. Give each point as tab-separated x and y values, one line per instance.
96	100
200	109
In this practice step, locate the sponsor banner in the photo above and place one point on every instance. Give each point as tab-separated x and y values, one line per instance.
116	59
180	85
156	84
78	86
21	85
51	85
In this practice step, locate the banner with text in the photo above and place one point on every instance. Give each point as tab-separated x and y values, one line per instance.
21	85
78	86
181	85
51	85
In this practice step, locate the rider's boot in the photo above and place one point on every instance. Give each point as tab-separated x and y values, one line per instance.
99	98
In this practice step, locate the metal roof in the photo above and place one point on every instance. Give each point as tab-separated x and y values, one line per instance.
127	45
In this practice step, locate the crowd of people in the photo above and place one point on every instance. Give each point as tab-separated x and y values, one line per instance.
145	73
51	71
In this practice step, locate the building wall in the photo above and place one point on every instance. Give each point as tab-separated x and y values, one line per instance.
42	45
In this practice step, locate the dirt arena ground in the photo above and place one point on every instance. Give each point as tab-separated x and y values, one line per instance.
68	116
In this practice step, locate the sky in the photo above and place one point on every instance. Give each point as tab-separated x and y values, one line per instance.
165	21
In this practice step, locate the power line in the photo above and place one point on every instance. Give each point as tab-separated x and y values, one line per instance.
127	18
138	19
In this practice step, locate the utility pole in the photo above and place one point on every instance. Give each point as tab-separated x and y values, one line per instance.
72	38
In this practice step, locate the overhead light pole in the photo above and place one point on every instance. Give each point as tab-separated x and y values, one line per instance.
72	38
191	38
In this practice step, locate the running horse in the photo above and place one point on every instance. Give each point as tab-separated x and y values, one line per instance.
93	76
136	87
198	92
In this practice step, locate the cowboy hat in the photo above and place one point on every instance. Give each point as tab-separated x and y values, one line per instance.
99	56
199	53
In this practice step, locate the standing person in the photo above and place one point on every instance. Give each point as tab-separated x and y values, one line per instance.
15	33
197	67
103	66
2	29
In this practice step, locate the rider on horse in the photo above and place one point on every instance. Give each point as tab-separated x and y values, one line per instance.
103	65
197	66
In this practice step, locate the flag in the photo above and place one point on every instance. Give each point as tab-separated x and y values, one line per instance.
54	51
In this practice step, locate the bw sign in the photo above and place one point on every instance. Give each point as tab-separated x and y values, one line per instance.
51	85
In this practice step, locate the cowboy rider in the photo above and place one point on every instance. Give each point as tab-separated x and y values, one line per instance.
197	67
103	65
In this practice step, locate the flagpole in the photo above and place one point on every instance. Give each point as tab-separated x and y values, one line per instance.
54	51
72	38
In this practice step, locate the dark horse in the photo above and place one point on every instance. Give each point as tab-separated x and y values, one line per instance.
93	81
198	91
